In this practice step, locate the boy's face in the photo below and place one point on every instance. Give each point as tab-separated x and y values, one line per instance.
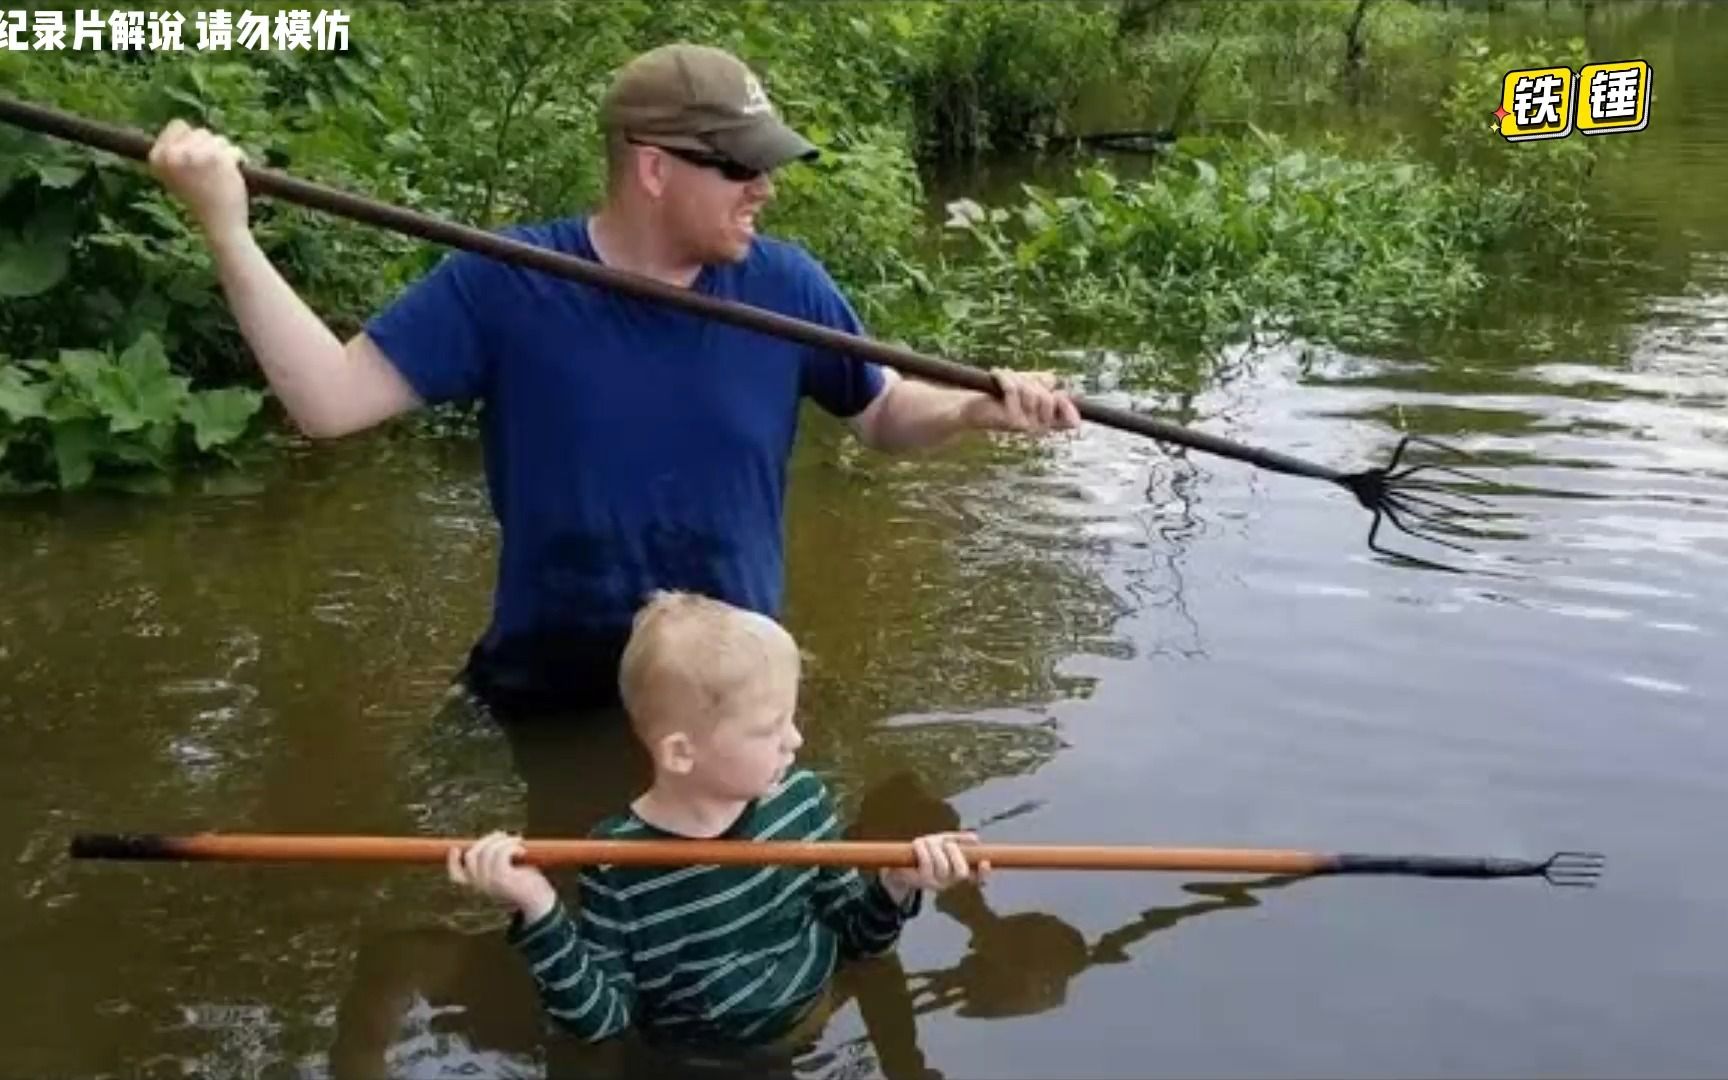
752	744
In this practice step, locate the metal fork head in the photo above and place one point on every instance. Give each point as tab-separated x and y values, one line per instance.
1424	508
1574	868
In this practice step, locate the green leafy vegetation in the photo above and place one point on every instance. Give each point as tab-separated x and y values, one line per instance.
484	113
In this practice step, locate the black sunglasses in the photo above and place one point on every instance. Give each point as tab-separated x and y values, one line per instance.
731	170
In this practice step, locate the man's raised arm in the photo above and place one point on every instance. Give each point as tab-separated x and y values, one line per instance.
329	388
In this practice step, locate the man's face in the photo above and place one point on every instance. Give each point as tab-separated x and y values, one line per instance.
712	216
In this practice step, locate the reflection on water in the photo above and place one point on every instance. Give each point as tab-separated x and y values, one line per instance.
1022	963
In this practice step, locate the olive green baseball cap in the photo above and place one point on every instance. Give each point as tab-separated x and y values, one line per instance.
696	97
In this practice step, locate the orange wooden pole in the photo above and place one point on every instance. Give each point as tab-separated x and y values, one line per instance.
241	847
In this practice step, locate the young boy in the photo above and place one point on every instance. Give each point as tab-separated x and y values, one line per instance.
732	954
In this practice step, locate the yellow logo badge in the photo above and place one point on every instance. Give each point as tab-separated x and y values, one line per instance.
1613	97
1537	104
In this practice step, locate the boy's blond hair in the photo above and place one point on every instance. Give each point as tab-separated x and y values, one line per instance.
690	657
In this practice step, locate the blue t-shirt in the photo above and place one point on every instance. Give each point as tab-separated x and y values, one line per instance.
629	445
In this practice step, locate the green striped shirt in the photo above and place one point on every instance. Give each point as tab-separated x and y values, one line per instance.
709	953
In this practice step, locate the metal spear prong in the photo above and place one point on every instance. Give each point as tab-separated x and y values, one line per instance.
1427	510
1579	869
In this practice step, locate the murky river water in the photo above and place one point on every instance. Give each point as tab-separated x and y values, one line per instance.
1104	642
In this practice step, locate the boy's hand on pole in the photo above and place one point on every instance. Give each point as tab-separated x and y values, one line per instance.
487	866
942	862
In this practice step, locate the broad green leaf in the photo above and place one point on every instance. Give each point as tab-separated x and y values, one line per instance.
144	358
1098	184
34	261
147	405
21	399
219	417
1028	253
59	176
83	368
132	392
66	404
75	446
151	447
134	401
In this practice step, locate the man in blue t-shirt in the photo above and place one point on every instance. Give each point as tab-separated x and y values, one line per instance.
629	446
